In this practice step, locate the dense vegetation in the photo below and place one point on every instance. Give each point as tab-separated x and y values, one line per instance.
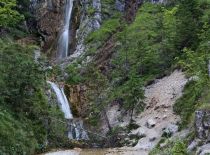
28	123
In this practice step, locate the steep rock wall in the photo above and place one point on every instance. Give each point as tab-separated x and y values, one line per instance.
48	14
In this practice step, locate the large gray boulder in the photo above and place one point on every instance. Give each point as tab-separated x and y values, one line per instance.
203	150
170	129
202	124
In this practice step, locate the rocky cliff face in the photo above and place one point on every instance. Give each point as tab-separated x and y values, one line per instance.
202	124
77	98
88	22
49	15
49	18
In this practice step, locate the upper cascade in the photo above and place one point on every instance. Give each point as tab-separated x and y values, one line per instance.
63	42
62	99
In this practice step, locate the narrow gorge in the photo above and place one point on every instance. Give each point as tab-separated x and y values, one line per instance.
104	77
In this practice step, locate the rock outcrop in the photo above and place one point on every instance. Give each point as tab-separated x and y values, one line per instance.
49	15
78	99
202	124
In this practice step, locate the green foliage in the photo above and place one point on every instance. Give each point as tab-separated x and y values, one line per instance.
91	11
187	34
16	137
108	8
172	147
146	49
24	7
101	35
105	31
179	148
25	105
98	85
74	74
159	39
195	63
9	17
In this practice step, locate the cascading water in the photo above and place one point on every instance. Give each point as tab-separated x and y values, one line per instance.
63	43
75	126
61	97
76	130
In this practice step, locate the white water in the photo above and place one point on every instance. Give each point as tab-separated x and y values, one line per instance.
61	97
75	126
63	43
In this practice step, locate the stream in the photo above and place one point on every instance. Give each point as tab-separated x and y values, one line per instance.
116	151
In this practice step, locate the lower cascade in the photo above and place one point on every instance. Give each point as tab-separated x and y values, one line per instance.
76	130
75	126
62	100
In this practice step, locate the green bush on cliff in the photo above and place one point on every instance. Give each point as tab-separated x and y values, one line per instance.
97	38
172	147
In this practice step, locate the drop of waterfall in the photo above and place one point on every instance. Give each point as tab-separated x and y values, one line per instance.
63	42
62	99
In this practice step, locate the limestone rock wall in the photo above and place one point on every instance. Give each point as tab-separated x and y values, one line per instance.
78	99
48	15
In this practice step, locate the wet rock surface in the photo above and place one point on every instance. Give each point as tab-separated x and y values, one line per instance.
203	150
49	15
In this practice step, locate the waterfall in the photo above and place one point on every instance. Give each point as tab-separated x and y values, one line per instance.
75	126
76	130
63	43
61	97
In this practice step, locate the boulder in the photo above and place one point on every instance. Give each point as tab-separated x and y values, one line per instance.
150	123
170	130
202	124
193	145
203	150
141	132
151	139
